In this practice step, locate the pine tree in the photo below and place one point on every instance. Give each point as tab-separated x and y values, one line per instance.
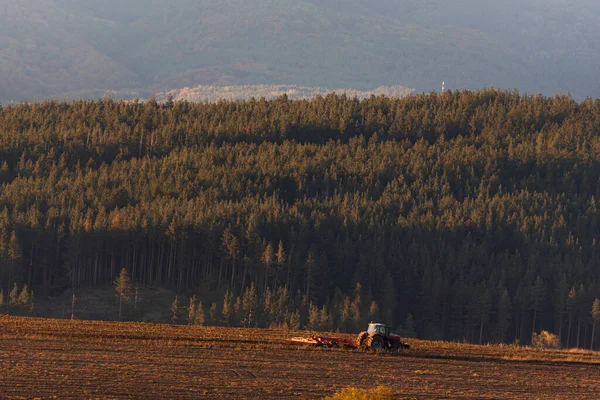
175	311
227	309
13	296
314	317
373	311
238	312
293	320
13	254
344	314
31	307
4	172
231	246
408	329
136	296
199	317
484	309
123	288
581	294
214	314
268	308
537	299
280	257
1	299
389	299
355	309
249	306
504	316
282	304
73	298
571	312
195	312
560	294
192	311
325	319
267	260
595	314
309	267
23	299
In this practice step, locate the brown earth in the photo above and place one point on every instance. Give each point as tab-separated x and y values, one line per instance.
42	358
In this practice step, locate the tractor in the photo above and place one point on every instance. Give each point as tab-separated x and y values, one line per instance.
378	337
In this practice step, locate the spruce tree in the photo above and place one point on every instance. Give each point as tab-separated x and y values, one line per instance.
192	311
24	296
538	297
280	258
344	314
14	255
293	320
355	308
136	296
123	288
249	306
571	312
267	259
31	306
268	308
408	328
503	317
325	319
227	310
13	296
581	295
373	311
175	311
595	314
214	314
199	317
282	304
314	318
238	312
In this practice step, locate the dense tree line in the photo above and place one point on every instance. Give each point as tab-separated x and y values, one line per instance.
475	212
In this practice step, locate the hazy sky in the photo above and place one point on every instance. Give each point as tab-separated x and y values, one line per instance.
53	47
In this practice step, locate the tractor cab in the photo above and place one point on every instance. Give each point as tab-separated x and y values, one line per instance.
379	328
378	337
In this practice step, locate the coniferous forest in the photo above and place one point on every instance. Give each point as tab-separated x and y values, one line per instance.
466	215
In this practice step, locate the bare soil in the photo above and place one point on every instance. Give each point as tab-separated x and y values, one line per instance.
42	358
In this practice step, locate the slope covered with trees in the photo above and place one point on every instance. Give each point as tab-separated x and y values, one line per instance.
474	212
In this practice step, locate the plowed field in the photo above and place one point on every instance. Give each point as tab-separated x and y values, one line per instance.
79	359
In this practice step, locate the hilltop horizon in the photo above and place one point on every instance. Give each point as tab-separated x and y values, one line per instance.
130	49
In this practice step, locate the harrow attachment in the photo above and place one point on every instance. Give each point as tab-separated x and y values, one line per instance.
323	341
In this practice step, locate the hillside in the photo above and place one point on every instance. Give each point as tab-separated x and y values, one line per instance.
464	216
134	48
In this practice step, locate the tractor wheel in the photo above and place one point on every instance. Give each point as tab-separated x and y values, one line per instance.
360	341
376	343
397	347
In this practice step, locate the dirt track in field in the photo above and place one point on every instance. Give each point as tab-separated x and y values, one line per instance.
64	359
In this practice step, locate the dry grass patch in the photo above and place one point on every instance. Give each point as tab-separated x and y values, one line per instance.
378	393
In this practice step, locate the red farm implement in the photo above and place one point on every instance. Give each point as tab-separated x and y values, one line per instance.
323	341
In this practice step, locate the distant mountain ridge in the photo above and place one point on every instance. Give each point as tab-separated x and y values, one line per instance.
135	48
245	92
